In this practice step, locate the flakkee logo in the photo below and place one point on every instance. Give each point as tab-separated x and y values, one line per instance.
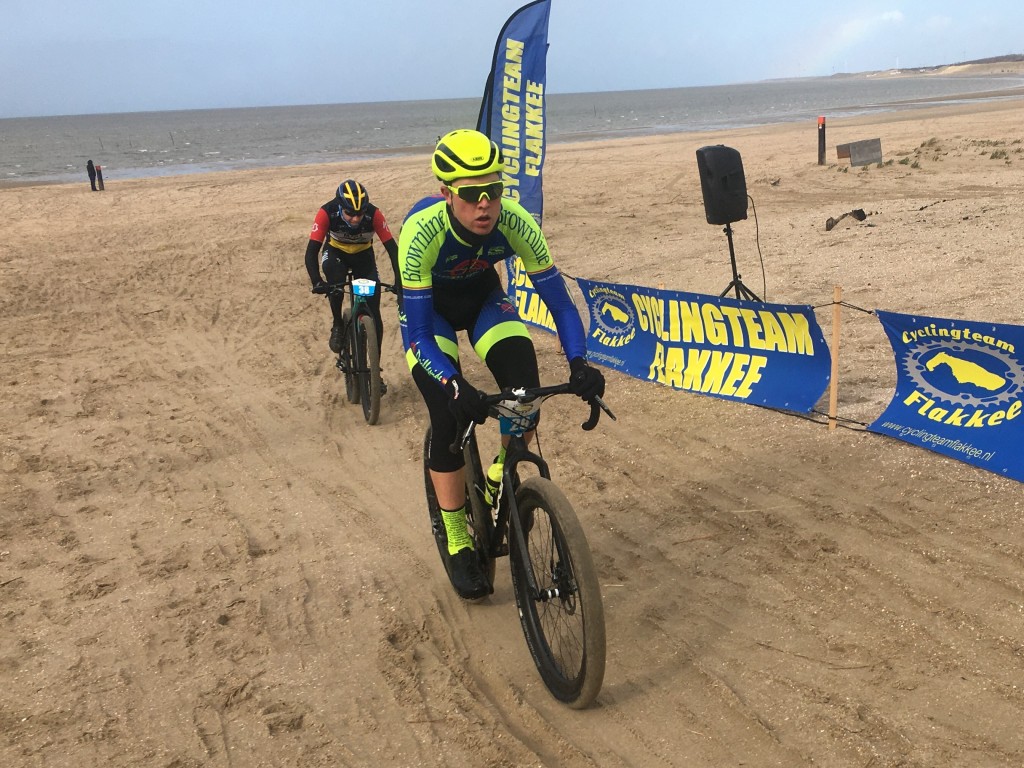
614	321
964	373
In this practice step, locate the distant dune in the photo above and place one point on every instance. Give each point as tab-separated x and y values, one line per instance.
1011	64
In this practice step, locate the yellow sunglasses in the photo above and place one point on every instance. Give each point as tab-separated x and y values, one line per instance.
474	193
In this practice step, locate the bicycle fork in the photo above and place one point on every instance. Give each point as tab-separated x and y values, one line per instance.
509	526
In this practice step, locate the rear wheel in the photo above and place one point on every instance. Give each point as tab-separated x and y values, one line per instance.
479	530
478	512
564	621
368	365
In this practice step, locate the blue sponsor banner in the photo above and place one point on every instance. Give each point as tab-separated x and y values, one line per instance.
512	111
958	390
772	355
527	301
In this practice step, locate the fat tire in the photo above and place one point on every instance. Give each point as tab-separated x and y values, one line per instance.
349	351
369	369
571	664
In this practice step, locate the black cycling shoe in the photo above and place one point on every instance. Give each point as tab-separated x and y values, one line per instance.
335	342
383	387
465	574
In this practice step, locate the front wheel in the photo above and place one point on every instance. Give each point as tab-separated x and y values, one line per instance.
368	366
563	620
349	354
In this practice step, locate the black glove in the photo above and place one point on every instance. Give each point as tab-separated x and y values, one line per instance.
319	287
465	401
585	381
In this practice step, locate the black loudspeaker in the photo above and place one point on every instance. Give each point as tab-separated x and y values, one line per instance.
721	180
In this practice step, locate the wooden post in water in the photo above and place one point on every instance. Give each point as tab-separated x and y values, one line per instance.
821	140
833	389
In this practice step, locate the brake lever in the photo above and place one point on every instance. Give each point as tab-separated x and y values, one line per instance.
460	440
596	406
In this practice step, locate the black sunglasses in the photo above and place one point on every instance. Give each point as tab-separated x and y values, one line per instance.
473	193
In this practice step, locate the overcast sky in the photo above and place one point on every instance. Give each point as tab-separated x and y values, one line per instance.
83	56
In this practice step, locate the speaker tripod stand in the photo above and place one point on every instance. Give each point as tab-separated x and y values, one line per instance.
742	292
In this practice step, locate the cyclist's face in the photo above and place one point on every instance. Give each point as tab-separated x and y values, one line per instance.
479	217
352	218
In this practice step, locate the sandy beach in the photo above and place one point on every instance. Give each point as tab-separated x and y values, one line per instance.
207	558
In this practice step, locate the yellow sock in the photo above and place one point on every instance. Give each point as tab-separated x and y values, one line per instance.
494	473
457	529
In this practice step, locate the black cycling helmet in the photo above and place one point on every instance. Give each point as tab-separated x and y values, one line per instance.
353	196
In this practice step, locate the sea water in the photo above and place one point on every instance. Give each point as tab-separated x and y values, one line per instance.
139	144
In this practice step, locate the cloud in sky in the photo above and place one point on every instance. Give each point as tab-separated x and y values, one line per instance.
938	23
125	55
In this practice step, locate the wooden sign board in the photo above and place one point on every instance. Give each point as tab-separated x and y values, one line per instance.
864	152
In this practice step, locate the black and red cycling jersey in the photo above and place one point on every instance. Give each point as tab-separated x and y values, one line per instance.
331	230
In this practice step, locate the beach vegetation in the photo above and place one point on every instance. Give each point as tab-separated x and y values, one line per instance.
999	154
916	164
905	161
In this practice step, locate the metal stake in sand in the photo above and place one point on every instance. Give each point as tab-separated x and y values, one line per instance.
833	387
821	140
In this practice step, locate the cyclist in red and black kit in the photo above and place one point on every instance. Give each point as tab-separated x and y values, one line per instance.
342	240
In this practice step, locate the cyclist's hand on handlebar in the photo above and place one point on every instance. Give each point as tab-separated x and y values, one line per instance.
585	380
319	287
465	401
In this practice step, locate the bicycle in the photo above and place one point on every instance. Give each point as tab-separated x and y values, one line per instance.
359	358
554	580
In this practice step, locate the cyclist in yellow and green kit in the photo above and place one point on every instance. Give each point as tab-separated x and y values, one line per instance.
448	248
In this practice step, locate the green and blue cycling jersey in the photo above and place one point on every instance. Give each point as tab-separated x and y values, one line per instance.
449	283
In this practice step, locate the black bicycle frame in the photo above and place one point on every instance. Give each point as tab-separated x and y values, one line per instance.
507	522
517	452
357	308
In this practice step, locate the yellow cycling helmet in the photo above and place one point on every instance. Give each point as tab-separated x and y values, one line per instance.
465	153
